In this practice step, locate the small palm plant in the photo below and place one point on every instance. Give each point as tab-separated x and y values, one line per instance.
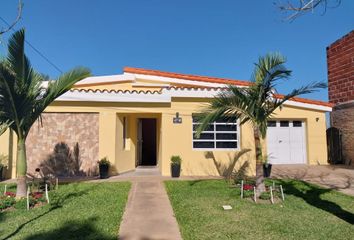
255	104
23	98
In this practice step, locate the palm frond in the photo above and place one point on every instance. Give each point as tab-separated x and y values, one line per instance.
55	89
310	88
230	103
16	54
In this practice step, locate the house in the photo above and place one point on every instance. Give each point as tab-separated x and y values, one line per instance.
143	117
340	63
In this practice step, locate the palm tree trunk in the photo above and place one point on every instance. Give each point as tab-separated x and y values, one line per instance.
21	168
260	187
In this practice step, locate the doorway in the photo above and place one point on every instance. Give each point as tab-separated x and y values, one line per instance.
146	155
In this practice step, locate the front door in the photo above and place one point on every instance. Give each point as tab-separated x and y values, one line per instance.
146	150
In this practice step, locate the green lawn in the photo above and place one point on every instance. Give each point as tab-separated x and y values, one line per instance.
78	211
309	212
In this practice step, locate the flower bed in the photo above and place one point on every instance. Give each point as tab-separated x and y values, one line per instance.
272	192
8	201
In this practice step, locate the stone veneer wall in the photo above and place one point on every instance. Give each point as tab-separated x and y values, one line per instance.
342	117
66	144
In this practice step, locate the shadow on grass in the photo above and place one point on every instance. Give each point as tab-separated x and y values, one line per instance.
312	195
57	202
73	230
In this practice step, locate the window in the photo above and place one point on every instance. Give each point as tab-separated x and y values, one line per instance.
284	123
221	134
297	124
271	123
125	129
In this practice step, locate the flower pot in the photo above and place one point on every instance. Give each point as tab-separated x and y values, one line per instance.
267	169
1	172
175	170
103	171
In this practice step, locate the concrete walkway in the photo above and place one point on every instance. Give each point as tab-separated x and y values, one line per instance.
148	214
338	177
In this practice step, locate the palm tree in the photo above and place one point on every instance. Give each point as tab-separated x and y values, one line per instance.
255	104
23	98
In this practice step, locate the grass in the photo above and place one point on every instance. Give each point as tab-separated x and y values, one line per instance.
77	211
309	212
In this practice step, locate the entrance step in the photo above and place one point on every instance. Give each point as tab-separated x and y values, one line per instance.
143	171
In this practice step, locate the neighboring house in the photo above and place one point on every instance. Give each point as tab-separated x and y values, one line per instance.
340	61
143	117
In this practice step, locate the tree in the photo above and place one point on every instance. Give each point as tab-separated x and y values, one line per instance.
23	98
255	104
294	10
18	17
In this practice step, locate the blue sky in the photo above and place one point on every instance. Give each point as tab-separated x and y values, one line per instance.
205	37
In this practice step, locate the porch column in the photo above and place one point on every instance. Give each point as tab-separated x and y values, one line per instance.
108	138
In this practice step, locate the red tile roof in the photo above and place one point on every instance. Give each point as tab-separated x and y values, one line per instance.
186	76
306	100
214	80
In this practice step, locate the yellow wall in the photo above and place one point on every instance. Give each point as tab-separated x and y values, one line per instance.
315	131
176	139
10	152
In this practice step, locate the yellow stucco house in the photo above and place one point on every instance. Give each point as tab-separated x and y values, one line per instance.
143	117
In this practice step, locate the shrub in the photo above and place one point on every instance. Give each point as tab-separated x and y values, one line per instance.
104	162
6	202
176	160
265	195
21	204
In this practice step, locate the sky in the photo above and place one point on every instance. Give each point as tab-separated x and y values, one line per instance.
222	38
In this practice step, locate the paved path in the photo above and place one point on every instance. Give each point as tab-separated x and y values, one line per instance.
338	177
148	214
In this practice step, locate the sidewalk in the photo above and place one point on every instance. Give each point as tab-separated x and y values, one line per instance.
149	214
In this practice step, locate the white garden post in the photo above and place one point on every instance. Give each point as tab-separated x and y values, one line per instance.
46	193
28	191
254	194
5	189
56	183
241	188
282	193
271	195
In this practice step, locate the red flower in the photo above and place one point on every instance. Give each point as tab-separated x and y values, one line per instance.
37	195
10	194
247	187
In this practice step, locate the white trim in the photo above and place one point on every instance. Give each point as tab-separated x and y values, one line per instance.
90	96
107	79
191	92
165	96
150	84
308	106
179	81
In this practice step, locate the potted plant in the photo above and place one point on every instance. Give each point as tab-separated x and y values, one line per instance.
176	166
103	165
267	167
3	161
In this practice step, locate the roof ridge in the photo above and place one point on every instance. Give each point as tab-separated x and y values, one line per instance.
306	100
186	76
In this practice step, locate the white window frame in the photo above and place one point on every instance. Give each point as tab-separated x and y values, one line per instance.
238	140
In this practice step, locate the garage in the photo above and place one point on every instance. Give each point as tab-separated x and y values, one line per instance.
286	142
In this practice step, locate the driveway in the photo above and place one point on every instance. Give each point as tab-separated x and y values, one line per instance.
338	177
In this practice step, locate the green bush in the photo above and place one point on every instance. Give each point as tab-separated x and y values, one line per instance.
104	161
247	193
21	204
265	195
176	160
6	202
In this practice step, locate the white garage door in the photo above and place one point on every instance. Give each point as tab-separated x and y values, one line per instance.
286	142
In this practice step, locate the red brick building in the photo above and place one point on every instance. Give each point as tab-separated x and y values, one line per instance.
340	63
